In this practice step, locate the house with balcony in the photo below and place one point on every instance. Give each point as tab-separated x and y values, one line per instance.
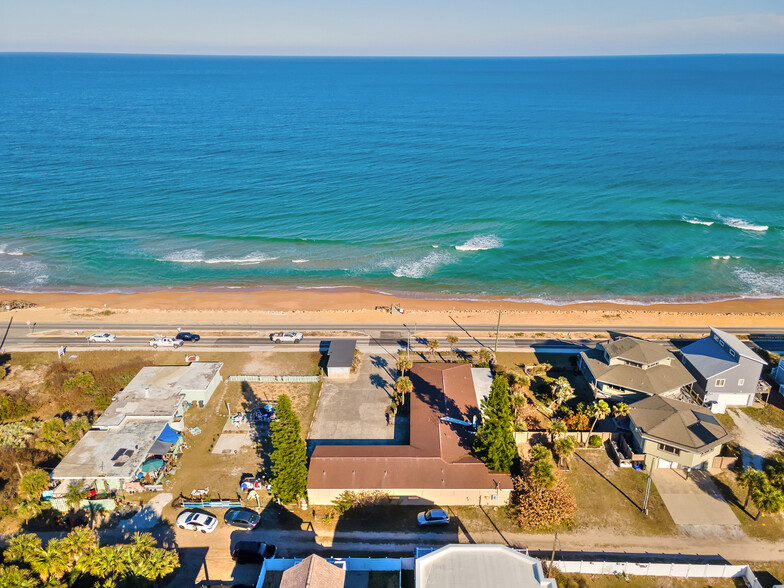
630	369
726	371
675	434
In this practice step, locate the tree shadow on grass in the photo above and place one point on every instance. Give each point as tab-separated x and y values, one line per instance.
606	479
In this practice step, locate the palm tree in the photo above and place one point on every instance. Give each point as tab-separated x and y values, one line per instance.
432	345
597	410
403	363
564	448
486	355
403	386
30	509
53	436
17	577
452	340
22	547
562	392
79	542
557	429
620	410
539	453
74	495
32	485
767	498
750	479
775	471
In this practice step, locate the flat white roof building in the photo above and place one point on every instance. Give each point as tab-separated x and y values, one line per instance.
158	392
480	566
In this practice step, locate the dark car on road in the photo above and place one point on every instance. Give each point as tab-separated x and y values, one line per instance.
252	552
187	337
244	518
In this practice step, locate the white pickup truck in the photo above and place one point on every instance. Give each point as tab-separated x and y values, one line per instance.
160	341
289	337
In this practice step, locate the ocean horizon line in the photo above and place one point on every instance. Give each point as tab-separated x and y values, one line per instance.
349	56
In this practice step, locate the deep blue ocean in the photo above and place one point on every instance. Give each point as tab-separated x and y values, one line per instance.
654	178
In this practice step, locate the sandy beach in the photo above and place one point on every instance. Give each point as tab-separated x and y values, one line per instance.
353	306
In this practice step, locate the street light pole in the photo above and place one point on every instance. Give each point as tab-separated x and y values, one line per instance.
497	328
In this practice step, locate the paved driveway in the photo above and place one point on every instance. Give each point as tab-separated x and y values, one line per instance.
353	411
696	501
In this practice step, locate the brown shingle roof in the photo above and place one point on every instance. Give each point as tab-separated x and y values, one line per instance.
313	572
438	455
684	425
636	350
656	380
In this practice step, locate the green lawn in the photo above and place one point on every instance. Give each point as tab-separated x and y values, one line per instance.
767	527
610	497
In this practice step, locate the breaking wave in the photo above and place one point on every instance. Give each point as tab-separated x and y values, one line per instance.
739	223
421	267
197	256
481	243
696	221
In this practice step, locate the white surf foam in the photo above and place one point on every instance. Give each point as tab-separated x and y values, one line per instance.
739	223
696	221
197	256
761	283
421	267
481	243
300	260
184	256
250	259
4	250
725	256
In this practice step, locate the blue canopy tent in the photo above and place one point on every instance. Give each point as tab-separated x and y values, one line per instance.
164	442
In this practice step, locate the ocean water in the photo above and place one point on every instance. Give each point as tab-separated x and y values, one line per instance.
647	178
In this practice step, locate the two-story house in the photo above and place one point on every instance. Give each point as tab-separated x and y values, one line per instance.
727	371
674	434
629	369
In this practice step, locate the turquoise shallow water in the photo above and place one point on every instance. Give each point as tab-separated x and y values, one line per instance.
555	179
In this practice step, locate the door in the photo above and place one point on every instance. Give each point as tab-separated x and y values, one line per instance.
663	463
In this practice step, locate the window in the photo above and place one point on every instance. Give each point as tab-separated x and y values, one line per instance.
721	342
669	449
741	382
720	383
732	352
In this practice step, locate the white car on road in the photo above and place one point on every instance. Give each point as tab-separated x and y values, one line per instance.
289	337
197	521
159	341
101	338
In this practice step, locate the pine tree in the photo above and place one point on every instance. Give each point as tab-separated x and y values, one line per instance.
289	454
495	442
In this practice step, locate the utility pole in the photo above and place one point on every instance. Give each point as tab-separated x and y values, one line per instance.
552	556
647	492
497	328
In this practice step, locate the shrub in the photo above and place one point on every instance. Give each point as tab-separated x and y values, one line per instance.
534	505
84	380
349	500
595	441
12	408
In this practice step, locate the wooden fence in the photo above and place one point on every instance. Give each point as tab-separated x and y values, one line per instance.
724	463
534	437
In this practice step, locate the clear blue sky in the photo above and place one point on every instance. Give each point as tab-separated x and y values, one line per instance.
394	27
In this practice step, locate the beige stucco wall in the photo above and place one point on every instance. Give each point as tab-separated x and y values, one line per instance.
686	459
424	497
